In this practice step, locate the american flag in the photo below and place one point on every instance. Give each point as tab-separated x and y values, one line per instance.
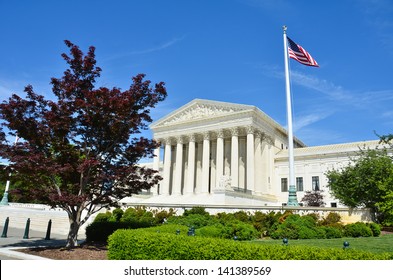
296	52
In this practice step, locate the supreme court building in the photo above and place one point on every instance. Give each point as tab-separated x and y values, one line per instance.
218	153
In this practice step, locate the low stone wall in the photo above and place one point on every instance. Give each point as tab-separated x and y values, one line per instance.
39	216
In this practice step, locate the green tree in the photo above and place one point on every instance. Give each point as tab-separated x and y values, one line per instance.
366	182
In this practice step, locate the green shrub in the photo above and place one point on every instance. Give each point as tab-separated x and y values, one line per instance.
296	226
141	244
242	216
237	229
99	231
103	217
117	214
311	233
138	217
163	215
266	223
168	228
375	228
193	220
357	229
243	231
332	232
197	210
214	231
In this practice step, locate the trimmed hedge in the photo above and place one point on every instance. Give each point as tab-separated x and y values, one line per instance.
142	244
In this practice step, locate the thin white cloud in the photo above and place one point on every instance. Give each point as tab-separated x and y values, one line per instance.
152	49
301	122
329	89
337	93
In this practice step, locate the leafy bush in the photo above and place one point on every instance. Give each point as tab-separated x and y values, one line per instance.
103	217
117	214
99	231
357	229
243	231
163	215
196	211
168	228
242	216
332	232
375	228
266	223
141	244
296	226
193	220
240	230
138	217
214	231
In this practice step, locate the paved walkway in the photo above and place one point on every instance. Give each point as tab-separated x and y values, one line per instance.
15	240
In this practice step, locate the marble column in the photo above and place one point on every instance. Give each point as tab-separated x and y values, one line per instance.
156	166
250	159
206	163
177	180
220	157
235	157
191	166
167	167
258	163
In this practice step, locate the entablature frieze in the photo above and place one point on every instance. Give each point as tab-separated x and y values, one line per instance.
212	135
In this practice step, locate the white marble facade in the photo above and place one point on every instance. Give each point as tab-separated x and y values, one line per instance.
222	153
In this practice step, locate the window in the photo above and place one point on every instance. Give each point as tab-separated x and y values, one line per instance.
284	184
299	184
315	183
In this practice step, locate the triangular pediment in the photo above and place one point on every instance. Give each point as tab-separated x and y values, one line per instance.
199	109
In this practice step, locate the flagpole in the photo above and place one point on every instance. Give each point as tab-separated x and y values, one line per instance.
292	199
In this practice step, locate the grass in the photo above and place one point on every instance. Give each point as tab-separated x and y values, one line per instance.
381	244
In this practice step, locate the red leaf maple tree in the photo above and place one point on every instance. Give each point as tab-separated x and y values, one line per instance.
80	150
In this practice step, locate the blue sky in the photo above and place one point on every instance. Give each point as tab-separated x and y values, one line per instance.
228	51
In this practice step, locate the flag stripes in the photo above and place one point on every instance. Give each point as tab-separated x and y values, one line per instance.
296	52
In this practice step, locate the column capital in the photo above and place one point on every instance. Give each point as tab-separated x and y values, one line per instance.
220	133
168	141
250	129
180	140
192	137
235	131
206	135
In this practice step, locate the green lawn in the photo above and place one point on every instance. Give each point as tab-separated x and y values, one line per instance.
382	244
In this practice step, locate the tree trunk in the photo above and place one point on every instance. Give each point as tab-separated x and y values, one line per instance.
72	238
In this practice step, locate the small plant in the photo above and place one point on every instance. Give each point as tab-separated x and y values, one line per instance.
313	199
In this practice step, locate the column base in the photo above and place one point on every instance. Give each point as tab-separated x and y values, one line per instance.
292	198
4	201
